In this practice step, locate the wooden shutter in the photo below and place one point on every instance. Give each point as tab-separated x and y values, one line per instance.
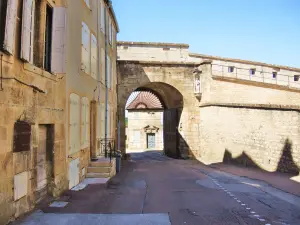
108	121
10	26
98	120
83	122
108	72
22	136
87	122
102	120
94	58
58	54
102	16
27	30
86	49
102	65
74	111
109	30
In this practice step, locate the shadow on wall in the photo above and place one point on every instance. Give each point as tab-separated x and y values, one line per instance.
286	163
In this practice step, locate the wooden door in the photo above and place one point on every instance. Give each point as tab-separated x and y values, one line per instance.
171	133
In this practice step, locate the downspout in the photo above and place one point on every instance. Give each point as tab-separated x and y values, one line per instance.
106	75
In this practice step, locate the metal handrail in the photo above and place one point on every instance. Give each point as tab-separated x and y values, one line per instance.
108	147
259	76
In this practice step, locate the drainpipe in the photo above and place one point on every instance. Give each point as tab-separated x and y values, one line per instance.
106	71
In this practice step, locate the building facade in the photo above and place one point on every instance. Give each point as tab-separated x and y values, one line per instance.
145	123
57	95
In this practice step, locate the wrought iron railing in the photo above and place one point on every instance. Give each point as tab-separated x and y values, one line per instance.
108	147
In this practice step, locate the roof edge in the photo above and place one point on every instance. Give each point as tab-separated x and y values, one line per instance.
111	9
196	55
178	63
156	44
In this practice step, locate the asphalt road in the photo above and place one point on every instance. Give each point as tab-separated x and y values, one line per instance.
178	191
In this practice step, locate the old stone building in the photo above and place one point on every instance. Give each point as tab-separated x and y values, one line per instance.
145	123
217	109
58	82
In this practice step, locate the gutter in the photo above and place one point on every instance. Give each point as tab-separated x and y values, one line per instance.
110	8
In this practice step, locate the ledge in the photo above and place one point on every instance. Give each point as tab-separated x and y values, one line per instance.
252	106
154	44
177	63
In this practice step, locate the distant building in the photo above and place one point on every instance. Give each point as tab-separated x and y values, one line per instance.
145	123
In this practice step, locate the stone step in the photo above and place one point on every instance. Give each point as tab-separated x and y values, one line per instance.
99	169
100	164
98	175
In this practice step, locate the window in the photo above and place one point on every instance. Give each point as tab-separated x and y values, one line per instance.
102	56
252	71
85	49
102	16
296	77
230	69
94	57
3	5
85	111
274	74
48	38
108	72
8	17
109	31
74	111
87	2
22	136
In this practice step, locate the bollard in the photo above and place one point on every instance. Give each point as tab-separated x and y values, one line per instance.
118	161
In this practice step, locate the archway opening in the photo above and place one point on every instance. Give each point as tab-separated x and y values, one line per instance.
151	116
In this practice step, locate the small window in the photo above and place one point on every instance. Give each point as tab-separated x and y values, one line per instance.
252	71
274	75
296	77
230	69
22	136
48	38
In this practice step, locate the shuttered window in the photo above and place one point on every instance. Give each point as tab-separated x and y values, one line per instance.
102	16
85	49
27	30
94	58
102	120
22	136
3	5
74	112
108	121
102	76
99	120
85	111
10	26
109	31
58	61
108	72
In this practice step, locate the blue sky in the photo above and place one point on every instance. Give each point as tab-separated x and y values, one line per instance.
259	30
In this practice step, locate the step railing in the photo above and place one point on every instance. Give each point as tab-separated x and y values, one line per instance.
108	147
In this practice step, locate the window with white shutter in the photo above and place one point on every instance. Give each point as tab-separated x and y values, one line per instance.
84	122
108	81
10	26
74	112
109	31
102	76
102	120
108	121
85	49
102	16
94	58
27	30
58	60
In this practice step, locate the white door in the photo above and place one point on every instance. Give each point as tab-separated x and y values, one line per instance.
73	173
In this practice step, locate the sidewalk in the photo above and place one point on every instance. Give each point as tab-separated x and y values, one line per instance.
283	181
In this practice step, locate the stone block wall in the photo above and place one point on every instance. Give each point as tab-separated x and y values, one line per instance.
268	139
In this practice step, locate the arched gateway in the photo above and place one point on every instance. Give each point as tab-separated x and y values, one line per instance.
173	83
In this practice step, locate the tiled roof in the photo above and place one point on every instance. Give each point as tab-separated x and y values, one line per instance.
145	100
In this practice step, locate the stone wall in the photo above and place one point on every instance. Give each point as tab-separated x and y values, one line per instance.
265	138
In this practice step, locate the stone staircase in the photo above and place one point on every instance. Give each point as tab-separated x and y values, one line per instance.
102	168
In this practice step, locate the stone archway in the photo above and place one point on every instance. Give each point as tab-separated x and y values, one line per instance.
173	85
